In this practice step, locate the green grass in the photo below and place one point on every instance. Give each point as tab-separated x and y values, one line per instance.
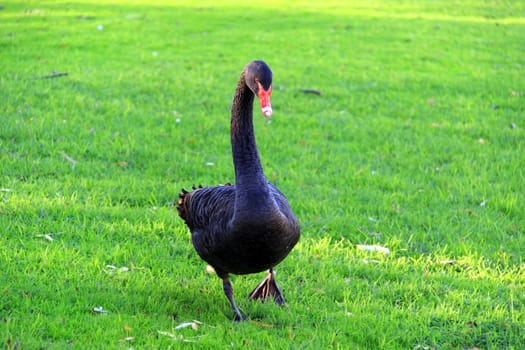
416	144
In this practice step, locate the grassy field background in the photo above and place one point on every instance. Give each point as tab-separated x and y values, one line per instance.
416	144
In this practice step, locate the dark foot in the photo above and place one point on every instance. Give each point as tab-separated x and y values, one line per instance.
239	317
228	290
268	288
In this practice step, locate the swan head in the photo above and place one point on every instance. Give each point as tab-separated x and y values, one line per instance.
259	79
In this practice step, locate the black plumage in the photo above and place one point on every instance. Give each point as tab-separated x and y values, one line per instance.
248	227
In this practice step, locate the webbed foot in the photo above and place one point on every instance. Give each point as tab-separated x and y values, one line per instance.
268	288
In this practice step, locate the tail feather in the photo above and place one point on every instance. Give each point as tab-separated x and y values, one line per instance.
183	206
207	201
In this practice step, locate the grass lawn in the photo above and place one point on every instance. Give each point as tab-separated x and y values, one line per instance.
416	144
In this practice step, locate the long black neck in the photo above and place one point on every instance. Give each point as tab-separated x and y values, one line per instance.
249	174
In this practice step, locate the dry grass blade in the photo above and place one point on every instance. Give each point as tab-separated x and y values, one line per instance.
68	158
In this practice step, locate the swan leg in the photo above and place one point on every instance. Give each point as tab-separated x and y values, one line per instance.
228	290
268	288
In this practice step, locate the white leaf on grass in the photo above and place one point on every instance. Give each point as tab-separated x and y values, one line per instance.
422	347
126	339
373	248
193	324
171	335
448	262
6	190
184	325
115	269
45	236
99	310
368	261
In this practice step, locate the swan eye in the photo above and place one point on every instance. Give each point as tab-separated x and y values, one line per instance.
261	87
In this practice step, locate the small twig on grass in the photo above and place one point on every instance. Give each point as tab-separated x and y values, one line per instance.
48	236
68	158
51	76
45	236
311	91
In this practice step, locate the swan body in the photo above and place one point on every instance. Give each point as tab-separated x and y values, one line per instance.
248	227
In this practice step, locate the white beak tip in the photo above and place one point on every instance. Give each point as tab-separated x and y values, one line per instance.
267	111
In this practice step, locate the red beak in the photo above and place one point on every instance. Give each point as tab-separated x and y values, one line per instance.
264	98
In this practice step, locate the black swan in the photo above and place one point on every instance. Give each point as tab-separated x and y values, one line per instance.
247	227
